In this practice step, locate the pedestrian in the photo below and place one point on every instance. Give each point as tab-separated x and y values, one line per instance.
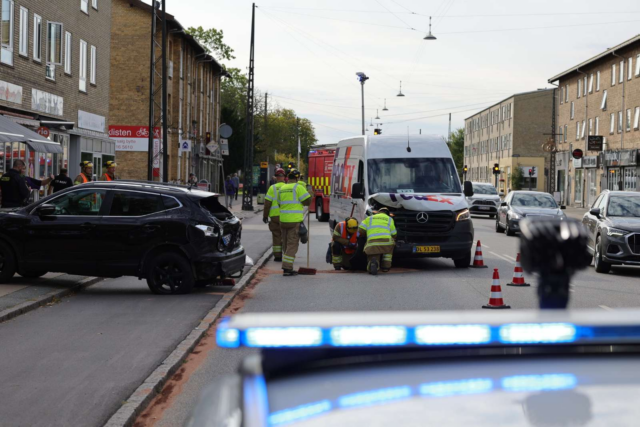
110	174
236	184
86	173
344	244
292	198
16	187
272	212
380	232
61	182
229	192
192	179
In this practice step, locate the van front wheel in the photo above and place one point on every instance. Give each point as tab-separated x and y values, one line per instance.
463	262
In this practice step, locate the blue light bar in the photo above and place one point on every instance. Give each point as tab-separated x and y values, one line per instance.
451	388
227	337
284	337
374	397
362	336
539	382
537	333
453	334
299	413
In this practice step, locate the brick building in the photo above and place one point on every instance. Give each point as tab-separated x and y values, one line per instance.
54	75
600	96
193	98
510	133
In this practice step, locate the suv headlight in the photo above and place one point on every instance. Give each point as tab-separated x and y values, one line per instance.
463	215
616	232
207	230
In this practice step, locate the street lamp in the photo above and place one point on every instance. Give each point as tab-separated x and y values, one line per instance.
385	105
362	77
377	115
400	93
430	36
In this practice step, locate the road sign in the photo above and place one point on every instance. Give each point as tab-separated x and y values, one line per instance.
211	147
224	148
595	142
225	131
44	131
577	154
264	165
185	146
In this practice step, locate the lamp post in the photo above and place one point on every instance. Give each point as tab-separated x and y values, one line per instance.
362	77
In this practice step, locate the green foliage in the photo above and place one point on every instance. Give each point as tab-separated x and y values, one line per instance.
456	145
212	41
517	176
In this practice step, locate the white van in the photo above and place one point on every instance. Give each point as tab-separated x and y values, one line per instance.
416	178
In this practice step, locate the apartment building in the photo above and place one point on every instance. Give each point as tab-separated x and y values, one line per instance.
510	133
600	96
54	79
193	107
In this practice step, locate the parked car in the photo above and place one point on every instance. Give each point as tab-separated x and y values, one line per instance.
613	226
172	236
485	199
521	204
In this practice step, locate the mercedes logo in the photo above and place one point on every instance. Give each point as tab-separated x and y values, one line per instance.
422	217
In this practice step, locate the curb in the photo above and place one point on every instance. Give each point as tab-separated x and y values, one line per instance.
28	306
142	396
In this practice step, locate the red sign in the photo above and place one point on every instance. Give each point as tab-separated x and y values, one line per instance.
577	154
132	132
43	131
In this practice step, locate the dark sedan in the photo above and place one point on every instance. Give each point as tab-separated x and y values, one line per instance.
613	224
520	204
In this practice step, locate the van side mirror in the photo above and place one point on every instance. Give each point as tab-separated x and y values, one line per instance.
357	191
563	207
468	189
45	210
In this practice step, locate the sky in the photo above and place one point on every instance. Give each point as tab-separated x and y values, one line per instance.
307	53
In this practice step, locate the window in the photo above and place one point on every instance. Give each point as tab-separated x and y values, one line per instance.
598	81
6	32
619	121
83	66
579	88
565	133
597	126
561	98
591	83
94	4
79	203
636	119
54	48
577	130
24	31
84	6
129	203
590	126
566	93
67	52
560	133
584	127
603	106
612	124
630	73
628	119
621	71
638	65
573	110
94	64
585	86
613	74
37	38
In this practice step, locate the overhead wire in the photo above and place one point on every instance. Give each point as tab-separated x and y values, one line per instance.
396	16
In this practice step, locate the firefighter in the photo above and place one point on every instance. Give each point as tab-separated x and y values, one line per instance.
86	173
301	181
272	211
110	174
380	233
292	198
345	243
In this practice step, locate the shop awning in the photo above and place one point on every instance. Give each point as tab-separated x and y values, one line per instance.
10	131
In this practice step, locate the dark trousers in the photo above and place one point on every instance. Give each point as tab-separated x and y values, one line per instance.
237	191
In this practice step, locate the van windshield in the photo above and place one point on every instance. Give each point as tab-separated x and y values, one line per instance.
425	175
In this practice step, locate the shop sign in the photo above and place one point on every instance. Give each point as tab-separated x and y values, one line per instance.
621	158
590	161
43	131
91	121
577	163
47	102
132	138
10	92
594	143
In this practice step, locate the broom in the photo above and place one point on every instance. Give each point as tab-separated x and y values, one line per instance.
302	270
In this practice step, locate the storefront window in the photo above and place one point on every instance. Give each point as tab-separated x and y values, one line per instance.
578	194
629	179
614	178
42	165
593	186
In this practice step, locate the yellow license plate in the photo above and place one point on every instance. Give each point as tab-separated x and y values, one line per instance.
426	249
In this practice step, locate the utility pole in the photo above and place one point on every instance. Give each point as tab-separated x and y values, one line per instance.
247	193
298	139
165	84
449	134
362	77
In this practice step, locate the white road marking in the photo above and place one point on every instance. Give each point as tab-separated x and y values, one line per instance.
571	290
512	259
485	246
604	307
500	256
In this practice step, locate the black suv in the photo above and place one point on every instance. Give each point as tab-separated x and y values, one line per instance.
173	236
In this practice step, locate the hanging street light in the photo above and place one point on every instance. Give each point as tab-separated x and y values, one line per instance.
430	36
377	115
400	93
371	122
385	105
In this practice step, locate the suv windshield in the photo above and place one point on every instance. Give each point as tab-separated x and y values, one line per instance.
485	189
424	175
534	201
624	206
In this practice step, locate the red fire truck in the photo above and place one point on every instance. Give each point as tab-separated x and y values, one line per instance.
320	169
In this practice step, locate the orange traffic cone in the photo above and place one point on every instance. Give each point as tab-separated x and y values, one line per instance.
518	275
495	300
477	260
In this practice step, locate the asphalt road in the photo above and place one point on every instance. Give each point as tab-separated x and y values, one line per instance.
426	284
75	362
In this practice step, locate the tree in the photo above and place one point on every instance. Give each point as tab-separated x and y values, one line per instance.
517	176
456	145
212	41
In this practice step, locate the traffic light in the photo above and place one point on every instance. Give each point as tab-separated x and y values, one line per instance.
496	169
291	165
531	171
377	131
465	169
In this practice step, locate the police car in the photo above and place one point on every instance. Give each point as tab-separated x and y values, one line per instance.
519	368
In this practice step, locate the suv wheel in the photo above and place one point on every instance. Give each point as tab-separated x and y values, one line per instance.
7	263
601	266
320	215
33	274
170	273
507	229
463	262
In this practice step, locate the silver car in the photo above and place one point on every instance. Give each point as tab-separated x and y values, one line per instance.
485	199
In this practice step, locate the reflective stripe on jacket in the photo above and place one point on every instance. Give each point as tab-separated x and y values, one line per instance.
272	196
290	198
380	228
341	231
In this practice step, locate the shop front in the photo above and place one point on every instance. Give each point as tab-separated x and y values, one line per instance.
562	180
592	171
578	193
621	170
89	142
